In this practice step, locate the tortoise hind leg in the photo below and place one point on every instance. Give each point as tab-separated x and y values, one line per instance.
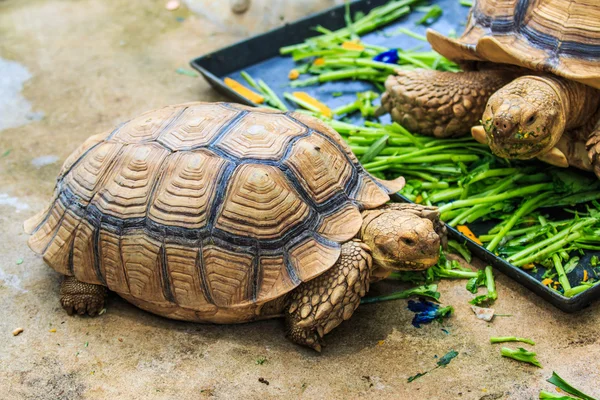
81	298
441	103
319	305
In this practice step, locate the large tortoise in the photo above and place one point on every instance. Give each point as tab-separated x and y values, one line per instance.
533	82
224	213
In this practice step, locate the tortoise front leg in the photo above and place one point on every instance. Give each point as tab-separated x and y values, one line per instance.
441	103
318	306
81	297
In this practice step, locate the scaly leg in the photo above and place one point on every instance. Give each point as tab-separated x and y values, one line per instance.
81	297
593	149
318	306
441	103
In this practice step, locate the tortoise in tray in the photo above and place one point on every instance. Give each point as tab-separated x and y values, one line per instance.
224	213
532	79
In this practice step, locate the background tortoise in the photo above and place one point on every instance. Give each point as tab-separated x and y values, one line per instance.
551	110
223	213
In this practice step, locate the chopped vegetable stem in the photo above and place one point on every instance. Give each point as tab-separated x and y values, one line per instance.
552	241
271	96
504	339
507	195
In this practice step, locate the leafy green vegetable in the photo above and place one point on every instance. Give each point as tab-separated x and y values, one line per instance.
571	264
511	339
521	355
491	294
474	283
566	182
562	384
429	291
433	13
374	149
460	249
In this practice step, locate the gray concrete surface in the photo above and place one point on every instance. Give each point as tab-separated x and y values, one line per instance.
69	69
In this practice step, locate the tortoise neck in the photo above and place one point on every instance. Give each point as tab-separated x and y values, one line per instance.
578	101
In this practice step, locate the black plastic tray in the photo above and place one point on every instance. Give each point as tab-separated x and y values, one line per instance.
259	56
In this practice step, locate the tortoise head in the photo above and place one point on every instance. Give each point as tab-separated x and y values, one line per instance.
401	240
524	118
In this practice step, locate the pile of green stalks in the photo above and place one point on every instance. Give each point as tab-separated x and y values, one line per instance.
337	55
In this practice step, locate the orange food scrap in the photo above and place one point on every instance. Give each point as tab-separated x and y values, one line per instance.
52	330
467	232
380	342
353	46
419	199
319	61
244	91
547	281
529	266
585	275
326	111
294	74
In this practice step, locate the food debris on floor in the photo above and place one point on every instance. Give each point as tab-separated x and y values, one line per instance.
264	381
427	312
442	362
522	355
485	314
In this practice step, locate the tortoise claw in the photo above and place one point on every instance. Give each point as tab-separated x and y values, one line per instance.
478	134
554	157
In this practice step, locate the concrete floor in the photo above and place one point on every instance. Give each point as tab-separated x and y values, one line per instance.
69	69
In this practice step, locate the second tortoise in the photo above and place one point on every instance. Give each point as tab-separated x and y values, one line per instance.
532	74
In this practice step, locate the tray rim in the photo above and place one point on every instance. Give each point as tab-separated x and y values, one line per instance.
566	304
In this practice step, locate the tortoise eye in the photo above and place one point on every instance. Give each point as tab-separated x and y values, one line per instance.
408	242
531	120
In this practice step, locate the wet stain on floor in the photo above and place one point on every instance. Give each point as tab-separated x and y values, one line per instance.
15	110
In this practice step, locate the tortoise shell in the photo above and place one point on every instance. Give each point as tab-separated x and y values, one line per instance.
560	37
206	206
